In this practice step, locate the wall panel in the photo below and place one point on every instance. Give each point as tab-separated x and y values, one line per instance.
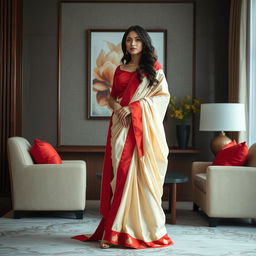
10	81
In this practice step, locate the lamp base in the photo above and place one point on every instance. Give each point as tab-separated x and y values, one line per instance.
218	142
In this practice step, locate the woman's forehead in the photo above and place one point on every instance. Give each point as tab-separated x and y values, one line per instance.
133	34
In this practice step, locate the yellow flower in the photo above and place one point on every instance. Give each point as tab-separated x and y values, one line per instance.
183	109
187	106
197	101
177	114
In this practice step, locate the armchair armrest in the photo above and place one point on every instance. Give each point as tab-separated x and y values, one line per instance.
199	167
55	169
73	162
231	187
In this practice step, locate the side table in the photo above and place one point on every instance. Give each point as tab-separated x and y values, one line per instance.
173	178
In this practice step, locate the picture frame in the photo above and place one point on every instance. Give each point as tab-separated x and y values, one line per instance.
104	54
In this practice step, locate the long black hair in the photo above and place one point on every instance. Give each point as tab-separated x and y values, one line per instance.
148	56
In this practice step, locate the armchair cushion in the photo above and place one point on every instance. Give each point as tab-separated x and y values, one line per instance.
232	156
43	153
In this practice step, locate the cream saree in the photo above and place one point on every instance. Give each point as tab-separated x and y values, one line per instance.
134	169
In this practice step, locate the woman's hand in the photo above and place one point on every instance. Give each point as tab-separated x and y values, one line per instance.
124	115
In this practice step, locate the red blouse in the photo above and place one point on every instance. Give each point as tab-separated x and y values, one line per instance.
121	80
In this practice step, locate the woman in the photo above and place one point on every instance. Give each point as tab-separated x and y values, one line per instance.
136	152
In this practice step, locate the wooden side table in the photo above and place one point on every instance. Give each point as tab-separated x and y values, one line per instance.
173	178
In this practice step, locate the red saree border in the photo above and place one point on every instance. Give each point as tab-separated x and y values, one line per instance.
122	172
124	239
121	238
136	112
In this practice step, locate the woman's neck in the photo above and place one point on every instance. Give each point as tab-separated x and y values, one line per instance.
135	60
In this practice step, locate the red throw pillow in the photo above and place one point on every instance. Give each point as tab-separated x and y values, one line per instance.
43	153
230	144
232	156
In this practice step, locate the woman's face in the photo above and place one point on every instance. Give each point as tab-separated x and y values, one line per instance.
133	43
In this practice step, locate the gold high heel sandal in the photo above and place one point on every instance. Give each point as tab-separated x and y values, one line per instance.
104	244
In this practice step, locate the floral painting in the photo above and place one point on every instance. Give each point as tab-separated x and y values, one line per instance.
104	55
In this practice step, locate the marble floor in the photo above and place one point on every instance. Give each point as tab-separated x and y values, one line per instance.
50	235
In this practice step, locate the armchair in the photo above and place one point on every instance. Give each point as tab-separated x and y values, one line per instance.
44	187
225	191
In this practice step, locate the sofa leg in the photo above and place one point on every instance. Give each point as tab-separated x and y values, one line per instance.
213	222
195	207
79	214
16	214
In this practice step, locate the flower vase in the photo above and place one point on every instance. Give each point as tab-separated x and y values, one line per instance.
182	132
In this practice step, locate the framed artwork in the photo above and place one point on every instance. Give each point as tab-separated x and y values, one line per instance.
104	54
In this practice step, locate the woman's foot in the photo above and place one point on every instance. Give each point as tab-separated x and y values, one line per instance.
104	244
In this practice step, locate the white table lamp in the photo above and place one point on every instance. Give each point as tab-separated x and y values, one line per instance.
221	117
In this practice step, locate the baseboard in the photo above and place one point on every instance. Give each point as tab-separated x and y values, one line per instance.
5	205
180	204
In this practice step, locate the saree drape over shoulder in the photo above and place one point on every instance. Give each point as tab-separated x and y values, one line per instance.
134	168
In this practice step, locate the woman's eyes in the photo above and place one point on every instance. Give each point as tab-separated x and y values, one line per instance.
136	39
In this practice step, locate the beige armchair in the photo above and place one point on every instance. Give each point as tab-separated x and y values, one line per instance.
44	187
225	191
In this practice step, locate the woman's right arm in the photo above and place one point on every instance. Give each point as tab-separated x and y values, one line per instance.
114	105
123	113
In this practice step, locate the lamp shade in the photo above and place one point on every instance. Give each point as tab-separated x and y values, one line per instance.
222	117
